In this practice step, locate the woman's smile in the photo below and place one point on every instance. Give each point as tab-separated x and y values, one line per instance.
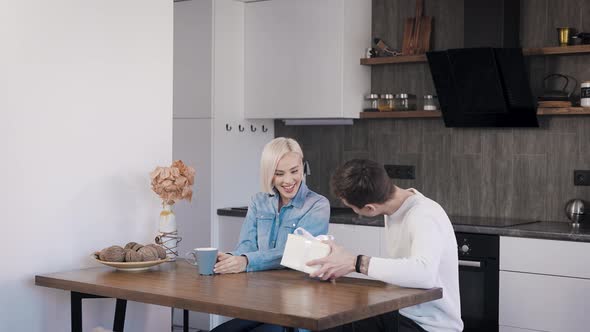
289	189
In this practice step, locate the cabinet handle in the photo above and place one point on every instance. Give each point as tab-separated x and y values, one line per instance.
469	263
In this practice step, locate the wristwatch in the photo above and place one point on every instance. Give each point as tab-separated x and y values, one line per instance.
357	265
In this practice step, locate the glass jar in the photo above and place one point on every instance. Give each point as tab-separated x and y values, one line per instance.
386	102
405	102
585	94
371	103
430	103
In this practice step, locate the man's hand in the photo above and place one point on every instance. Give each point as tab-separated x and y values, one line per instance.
227	263
338	263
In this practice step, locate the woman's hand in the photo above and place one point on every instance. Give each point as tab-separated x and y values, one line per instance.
338	263
227	263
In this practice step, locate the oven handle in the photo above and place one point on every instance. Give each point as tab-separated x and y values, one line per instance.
469	263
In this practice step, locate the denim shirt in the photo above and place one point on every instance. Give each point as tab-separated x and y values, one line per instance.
264	232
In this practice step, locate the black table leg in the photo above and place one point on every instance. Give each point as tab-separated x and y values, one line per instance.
119	322
185	321
76	311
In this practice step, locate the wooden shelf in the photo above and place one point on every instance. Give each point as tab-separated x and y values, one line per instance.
564	111
438	114
526	51
401	114
557	50
394	59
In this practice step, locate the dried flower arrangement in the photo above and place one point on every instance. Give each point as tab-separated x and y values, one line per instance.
173	183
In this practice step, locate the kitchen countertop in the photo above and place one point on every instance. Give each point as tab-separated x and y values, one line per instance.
480	225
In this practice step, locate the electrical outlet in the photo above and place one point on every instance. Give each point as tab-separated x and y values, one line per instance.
406	172
581	178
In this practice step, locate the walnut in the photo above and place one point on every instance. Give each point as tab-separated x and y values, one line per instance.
161	251
148	253
133	245
112	254
132	256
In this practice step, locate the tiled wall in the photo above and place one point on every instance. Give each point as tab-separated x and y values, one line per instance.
517	173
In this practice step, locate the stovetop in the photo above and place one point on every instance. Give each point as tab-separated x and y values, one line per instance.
488	221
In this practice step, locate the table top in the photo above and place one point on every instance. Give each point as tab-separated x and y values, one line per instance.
282	297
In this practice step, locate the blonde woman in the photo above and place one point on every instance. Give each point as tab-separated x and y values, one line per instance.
284	204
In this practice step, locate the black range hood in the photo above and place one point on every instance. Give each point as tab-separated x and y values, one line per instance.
483	87
485	84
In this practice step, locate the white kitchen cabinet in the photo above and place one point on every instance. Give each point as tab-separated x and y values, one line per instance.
302	58
358	240
563	258
229	232
542	302
193	59
192	126
544	285
191	141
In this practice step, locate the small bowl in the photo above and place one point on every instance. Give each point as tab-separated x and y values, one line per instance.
130	266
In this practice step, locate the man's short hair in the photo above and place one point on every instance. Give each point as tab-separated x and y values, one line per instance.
361	182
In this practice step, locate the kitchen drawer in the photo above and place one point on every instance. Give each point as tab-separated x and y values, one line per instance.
561	258
545	303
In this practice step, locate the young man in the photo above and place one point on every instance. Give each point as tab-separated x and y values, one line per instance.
421	246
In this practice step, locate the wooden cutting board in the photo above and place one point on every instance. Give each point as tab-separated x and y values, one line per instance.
417	31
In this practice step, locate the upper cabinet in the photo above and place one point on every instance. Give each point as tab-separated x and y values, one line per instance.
193	34
301	58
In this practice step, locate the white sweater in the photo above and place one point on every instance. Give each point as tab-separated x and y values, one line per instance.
422	253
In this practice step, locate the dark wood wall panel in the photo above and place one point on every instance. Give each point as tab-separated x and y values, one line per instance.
518	173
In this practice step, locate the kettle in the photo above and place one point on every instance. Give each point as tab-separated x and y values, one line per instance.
577	211
558	95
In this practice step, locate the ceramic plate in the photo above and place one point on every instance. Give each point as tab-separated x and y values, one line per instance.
131	266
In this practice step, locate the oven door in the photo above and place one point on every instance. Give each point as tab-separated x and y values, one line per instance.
478	284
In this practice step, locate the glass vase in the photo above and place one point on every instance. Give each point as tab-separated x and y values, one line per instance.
167	232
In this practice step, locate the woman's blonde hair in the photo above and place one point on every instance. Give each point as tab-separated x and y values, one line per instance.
272	153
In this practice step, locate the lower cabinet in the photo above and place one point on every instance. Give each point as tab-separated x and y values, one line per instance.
544	290
545	303
365	240
229	232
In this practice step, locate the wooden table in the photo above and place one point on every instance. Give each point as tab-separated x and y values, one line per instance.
282	297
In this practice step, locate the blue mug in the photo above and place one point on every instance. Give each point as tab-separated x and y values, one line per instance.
204	259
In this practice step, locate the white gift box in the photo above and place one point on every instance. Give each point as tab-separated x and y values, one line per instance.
302	247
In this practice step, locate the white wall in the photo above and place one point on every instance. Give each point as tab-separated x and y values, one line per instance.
86	106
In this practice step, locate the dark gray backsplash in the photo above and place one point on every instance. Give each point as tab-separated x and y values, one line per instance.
518	173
